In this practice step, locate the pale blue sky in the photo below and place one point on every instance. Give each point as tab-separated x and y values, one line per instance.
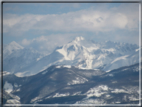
30	24
51	8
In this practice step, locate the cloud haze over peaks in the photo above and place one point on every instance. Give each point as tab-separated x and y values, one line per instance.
46	44
122	17
61	22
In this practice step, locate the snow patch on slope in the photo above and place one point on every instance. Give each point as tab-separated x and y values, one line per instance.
58	95
76	93
45	72
91	101
8	87
35	99
5	73
21	74
77	81
13	101
64	53
97	91
119	91
120	58
108	70
58	66
67	66
61	95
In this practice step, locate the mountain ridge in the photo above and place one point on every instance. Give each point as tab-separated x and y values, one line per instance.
77	86
84	54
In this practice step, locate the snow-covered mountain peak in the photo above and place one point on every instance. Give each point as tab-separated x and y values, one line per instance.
79	38
15	45
80	52
83	42
88	54
8	49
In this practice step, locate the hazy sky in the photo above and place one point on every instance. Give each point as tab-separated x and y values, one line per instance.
42	24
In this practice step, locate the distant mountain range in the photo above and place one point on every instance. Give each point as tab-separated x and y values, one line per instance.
79	72
72	85
85	54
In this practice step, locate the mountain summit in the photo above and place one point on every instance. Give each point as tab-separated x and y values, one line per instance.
12	47
79	38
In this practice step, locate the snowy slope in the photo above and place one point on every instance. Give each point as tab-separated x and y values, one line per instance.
105	56
10	48
69	85
79	52
40	65
123	61
17	58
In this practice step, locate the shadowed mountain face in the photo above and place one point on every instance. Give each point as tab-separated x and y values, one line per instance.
71	85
